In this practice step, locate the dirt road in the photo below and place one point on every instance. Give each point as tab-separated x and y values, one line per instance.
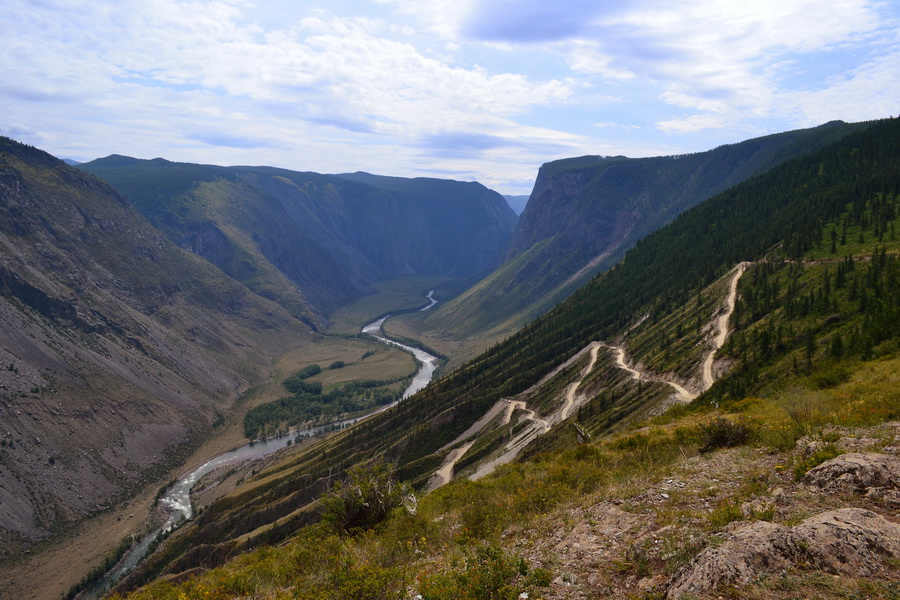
570	393
722	326
443	475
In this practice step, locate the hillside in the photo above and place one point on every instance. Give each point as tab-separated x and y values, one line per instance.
616	486
120	351
314	242
584	213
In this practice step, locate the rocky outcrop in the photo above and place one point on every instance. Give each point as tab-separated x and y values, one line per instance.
848	541
875	475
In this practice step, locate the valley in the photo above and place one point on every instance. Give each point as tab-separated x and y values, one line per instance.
753	336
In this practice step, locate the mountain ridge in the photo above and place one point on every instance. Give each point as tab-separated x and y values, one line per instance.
585	212
310	241
119	349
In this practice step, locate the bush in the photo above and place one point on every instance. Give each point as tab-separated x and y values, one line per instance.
298	386
364	498
724	433
814	460
338	364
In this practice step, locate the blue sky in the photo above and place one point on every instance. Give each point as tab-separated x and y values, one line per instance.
465	89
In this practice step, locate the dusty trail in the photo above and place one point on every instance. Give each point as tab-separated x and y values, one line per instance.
683	395
722	326
443	475
534	428
620	361
570	393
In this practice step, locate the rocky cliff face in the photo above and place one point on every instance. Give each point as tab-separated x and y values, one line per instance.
118	348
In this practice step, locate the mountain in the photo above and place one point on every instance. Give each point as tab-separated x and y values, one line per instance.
120	351
584	213
766	320
314	242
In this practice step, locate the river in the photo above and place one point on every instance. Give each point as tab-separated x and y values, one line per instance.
176	502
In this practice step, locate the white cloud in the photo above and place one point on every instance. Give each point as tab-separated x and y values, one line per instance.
868	92
504	84
725	60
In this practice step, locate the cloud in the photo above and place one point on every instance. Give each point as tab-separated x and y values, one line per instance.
529	21
866	92
231	141
488	88
721	59
21	133
605	125
461	144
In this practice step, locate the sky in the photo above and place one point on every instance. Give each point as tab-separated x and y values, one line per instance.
484	90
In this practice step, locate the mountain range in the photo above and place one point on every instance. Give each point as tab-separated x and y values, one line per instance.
608	388
314	242
584	213
758	294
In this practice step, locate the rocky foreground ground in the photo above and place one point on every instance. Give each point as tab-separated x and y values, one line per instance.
762	530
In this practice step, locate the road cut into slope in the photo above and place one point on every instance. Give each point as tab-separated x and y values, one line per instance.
537	426
683	395
722	326
443	475
570	393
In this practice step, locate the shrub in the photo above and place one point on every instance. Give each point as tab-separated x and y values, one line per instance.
364	498
338	364
814	460
298	386
724	433
307	371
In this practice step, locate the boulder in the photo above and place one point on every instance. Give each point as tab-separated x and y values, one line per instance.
848	541
748	552
856	472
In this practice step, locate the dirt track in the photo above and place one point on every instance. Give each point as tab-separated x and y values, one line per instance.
722	326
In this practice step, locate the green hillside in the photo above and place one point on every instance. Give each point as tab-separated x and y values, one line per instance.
585	213
809	372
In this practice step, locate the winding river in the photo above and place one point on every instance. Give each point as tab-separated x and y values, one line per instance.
176	501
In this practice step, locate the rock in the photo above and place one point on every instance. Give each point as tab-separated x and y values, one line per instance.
849	541
856	472
749	551
758	507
